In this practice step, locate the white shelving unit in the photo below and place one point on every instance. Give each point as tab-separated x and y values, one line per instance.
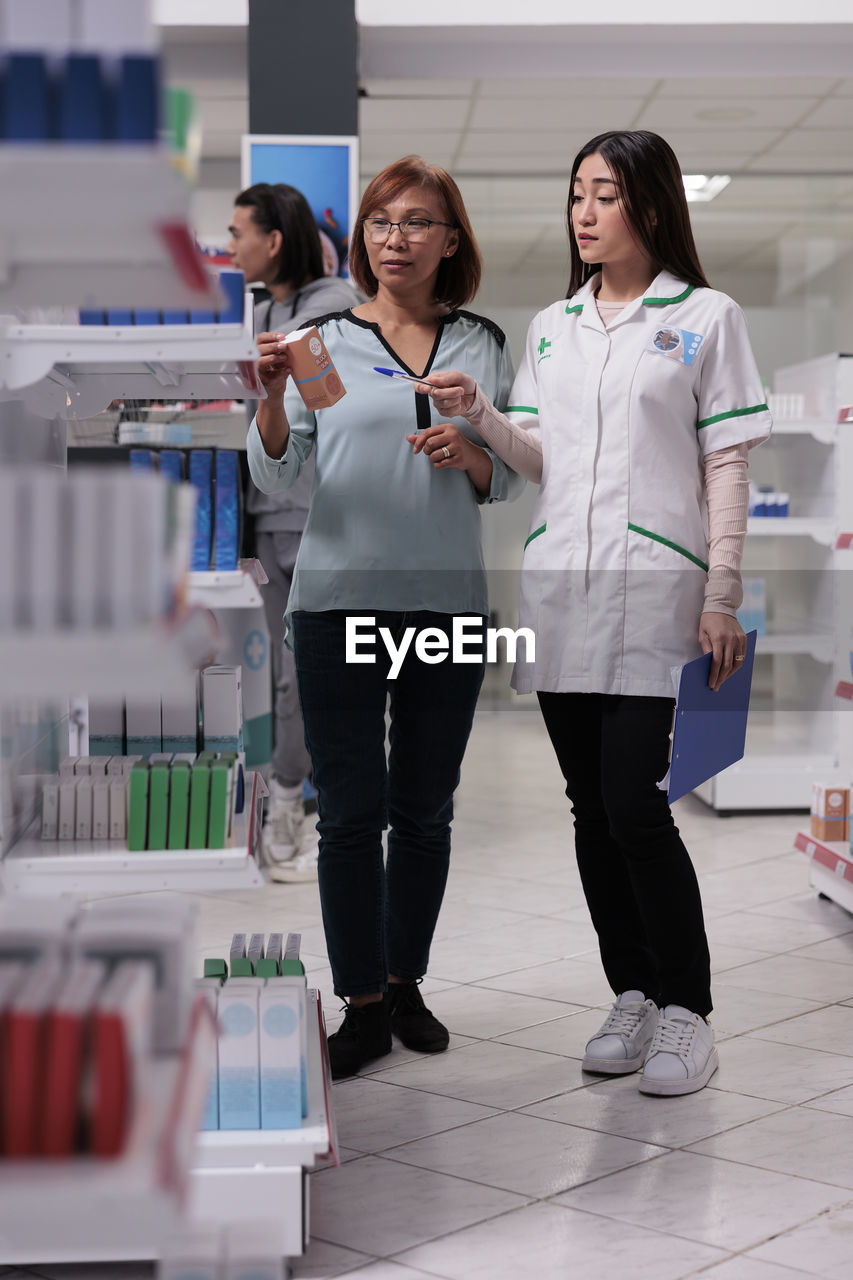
77	370
123	238
49	868
800	731
89	1210
261	1173
229	589
831	867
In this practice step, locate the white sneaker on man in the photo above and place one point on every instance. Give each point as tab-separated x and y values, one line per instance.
682	1057
620	1046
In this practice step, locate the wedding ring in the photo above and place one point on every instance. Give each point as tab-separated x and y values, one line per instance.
445	451
739	657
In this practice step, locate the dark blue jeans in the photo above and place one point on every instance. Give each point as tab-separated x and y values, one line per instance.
380	918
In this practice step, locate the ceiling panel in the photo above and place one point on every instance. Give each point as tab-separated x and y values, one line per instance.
552	114
418	88
833	113
828	144
433	114
731	142
570	87
747	87
560	146
725	113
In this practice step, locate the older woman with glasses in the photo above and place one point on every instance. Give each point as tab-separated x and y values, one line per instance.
391	550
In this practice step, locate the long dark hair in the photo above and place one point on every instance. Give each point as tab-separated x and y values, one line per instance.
459	276
651	193
282	208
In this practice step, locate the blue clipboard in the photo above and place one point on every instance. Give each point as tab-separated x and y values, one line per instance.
710	728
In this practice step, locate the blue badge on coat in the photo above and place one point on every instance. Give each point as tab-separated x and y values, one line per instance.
677	344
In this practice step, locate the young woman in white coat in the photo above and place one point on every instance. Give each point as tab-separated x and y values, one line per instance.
634	409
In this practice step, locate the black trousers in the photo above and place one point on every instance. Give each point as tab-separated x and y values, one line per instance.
637	876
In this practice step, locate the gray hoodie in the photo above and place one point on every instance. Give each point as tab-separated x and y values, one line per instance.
287	511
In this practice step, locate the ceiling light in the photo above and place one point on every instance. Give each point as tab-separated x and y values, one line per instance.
699	187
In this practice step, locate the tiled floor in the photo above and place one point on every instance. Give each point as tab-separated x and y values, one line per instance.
500	1159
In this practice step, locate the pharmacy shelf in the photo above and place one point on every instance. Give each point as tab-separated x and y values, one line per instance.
260	1173
50	868
831	870
228	589
819	645
819	529
820	429
154	659
88	1210
120	238
76	371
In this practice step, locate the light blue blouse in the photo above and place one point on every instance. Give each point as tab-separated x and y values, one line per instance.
385	530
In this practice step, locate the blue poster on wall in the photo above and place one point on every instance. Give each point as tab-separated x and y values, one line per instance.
324	169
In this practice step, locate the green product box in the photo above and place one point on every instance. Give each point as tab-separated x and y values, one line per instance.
242	967
158	806
137	807
266	968
179	805
199	796
217	829
215	967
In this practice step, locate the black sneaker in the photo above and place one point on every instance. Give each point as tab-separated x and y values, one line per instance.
364	1034
411	1020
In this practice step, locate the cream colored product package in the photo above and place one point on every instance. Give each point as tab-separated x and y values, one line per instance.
314	374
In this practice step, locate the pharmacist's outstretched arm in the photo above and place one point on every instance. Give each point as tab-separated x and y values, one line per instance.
456	394
274	369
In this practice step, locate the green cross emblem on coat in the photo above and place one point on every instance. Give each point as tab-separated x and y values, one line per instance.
542	349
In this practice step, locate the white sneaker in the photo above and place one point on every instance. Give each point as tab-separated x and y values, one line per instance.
287	830
682	1057
625	1035
301	867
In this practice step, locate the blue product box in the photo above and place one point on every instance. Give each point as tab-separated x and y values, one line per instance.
202	317
142	460
83	102
172	464
93	317
137	99
175	317
232	284
120	316
227	516
201	476
146	317
27	94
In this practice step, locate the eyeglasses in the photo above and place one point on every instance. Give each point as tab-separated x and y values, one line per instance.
414	230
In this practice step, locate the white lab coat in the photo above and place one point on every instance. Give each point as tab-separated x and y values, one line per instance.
615	564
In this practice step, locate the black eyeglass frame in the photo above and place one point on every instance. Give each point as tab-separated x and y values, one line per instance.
431	222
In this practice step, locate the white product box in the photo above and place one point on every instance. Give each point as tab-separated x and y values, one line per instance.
161	934
83	812
118	808
239	1074
179	720
147	501
9	541
142	726
67	829
41	546
85	549
121	599
282	1031
752	614
101	808
222	708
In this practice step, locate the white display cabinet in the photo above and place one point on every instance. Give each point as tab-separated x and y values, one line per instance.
800	727
830	867
262	1173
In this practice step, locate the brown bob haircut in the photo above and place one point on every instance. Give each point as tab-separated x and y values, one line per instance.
458	277
651	193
